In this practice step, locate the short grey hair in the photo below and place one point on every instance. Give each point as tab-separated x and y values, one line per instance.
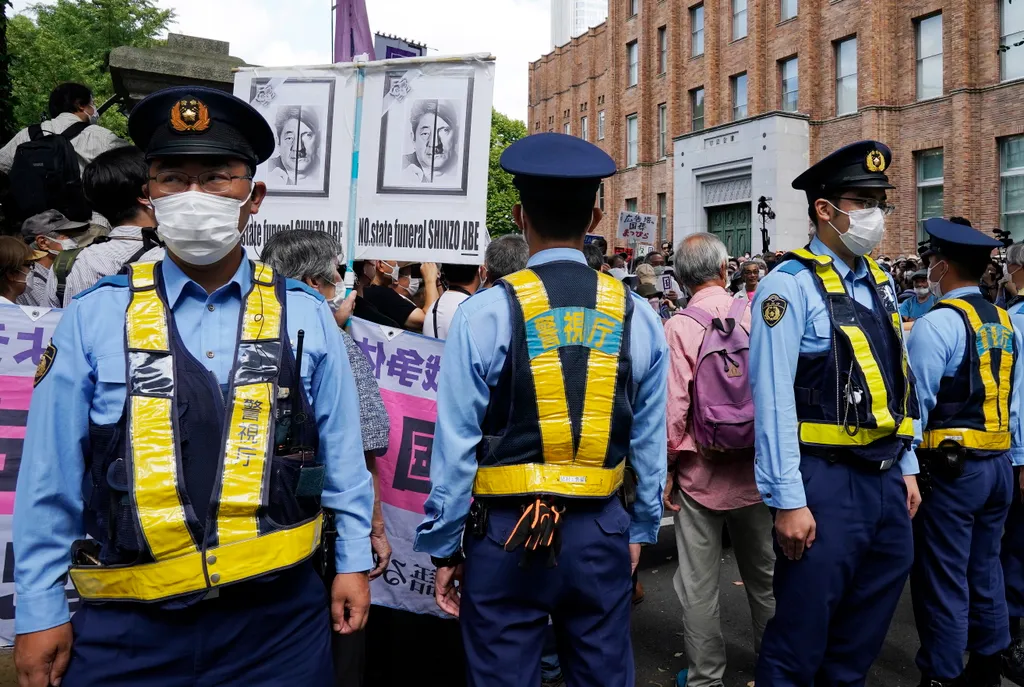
505	255
302	253
1015	254
699	259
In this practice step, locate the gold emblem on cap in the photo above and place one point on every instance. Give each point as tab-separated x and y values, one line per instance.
190	114
875	161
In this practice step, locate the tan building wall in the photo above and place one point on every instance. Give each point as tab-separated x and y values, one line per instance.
589	75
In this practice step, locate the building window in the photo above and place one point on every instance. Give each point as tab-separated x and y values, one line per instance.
789	74
1011	31
662	49
567	128
697	109
929	57
600	125
630	204
584	131
633	59
662	217
600	196
662	130
631	141
697	30
846	76
929	188
787	10
739	19
1011	167
634	7
739	96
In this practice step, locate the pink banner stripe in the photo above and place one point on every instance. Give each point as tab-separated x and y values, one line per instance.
8	432
6	502
15	392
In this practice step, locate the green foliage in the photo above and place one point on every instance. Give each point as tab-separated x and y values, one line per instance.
71	40
6	116
501	194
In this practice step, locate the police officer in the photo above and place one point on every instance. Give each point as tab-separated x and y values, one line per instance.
1012	552
963	353
175	422
833	428
551	390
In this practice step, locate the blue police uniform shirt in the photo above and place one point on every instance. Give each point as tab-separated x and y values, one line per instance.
911	309
936	346
87	382
474	354
774	352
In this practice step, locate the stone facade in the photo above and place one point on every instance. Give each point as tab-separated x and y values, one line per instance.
976	109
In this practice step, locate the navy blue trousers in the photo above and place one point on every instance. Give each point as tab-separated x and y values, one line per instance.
834	605
505	607
258	634
957	581
1013	554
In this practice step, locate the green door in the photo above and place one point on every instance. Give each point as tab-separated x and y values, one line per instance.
731	223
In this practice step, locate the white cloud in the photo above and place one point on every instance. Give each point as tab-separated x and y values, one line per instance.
296	32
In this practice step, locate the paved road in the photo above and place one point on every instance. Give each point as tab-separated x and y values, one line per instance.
657	628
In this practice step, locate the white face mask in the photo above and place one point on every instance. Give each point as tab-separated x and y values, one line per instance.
94	116
934	286
414	286
339	296
866	230
922	291
618	272
200	228
65	244
760	274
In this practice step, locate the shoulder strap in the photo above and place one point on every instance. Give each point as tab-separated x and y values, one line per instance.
434	311
62	265
149	242
737	308
701	317
74	130
35	131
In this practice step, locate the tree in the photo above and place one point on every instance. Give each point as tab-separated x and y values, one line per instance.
71	40
501	194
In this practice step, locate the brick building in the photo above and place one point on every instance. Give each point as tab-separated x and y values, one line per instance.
706	106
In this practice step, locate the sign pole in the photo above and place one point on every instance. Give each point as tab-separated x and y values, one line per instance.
353	195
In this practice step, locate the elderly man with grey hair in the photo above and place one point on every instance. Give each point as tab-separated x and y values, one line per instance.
710	490
505	255
313	257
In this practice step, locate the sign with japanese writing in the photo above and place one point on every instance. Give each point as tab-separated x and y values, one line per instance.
421	173
637	227
24	335
406	367
666	282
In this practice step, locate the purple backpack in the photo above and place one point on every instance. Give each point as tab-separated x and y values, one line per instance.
722	407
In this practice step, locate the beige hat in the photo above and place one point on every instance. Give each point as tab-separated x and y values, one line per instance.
645	273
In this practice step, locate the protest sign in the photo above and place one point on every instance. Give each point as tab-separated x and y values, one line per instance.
24	335
406	367
424	143
666	282
637	227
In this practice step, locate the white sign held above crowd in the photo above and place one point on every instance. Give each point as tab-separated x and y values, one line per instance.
422	158
636	227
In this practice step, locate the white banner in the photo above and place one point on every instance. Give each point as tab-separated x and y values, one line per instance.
637	227
423	161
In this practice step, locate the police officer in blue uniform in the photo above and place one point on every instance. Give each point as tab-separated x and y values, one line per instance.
833	428
964	355
191	418
551	416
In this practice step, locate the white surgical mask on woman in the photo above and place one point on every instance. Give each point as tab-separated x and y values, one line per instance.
200	228
867	227
922	291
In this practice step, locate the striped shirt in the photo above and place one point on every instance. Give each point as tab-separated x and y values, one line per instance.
35	287
92	141
97	261
373	417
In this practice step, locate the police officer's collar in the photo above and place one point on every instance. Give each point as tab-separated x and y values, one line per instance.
556	254
175	281
960	292
818	247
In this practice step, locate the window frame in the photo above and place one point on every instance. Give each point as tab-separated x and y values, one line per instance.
600	125
841	79
795	60
584	128
736	21
734	83
662	131
694	33
600	196
662	49
693	108
1009	39
631	205
632	63
782	9
632	144
662	217
921	184
919	60
1006	173
634	8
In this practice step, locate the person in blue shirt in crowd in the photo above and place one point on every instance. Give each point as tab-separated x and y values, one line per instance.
964	355
923	299
833	427
551	418
150	432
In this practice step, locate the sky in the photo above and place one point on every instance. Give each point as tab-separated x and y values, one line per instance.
298	32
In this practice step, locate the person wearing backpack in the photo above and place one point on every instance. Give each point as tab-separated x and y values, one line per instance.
48	234
711	457
44	162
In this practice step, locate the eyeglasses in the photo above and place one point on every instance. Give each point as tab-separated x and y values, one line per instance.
211	182
870	204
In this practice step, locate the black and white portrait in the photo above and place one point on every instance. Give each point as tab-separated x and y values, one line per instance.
425	133
300	111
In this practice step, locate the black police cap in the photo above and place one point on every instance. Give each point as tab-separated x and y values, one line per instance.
194	120
551	165
953	240
858	165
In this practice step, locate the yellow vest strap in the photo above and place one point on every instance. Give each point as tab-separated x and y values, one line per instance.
996	407
968	438
827	434
539	478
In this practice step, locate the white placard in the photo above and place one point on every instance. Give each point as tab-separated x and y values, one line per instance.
666	282
637	227
424	149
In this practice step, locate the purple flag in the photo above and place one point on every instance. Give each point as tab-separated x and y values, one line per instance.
351	31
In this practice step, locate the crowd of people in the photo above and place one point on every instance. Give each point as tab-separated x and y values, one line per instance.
849	421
